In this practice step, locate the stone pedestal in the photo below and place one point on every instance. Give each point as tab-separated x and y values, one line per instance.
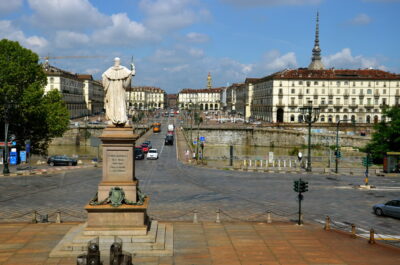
128	222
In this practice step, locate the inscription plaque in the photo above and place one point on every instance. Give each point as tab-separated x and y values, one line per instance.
117	162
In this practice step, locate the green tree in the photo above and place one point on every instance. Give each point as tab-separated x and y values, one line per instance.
31	113
386	136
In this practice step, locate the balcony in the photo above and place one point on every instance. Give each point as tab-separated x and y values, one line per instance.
346	94
361	94
338	106
383	106
280	104
376	93
292	104
353	105
323	105
368	106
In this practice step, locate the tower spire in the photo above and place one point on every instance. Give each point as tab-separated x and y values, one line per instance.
209	81
316	63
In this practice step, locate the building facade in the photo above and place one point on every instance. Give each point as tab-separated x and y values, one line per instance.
70	87
93	92
358	95
145	98
203	99
172	100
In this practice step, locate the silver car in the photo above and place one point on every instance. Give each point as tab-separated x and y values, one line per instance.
391	208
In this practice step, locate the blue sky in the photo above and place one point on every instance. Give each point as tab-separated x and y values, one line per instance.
175	43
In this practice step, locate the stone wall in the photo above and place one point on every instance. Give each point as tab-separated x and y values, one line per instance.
274	137
80	135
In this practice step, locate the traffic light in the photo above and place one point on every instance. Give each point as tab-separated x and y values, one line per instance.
296	186
338	154
303	186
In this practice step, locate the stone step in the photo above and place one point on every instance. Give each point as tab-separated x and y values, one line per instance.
158	243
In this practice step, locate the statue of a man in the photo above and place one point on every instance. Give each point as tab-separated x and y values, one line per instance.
115	80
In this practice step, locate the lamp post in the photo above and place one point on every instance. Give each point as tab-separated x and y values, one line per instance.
310	116
7	104
337	154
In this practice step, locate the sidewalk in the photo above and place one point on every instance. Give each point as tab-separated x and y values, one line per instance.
213	243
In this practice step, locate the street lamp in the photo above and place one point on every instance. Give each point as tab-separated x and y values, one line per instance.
337	152
310	115
7	104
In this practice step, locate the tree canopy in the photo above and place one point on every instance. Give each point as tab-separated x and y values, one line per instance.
386	137
31	113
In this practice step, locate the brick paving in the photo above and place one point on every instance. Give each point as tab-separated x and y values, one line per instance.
212	243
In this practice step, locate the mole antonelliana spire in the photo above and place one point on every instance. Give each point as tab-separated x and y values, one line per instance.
316	63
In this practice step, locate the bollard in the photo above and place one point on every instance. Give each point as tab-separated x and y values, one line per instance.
250	162
218	220
261	163
34	216
266	163
279	164
371	236
269	220
284	163
327	223
58	217
301	219
353	230
244	163
195	217
290	163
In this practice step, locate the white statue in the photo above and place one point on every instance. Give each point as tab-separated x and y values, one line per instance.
115	80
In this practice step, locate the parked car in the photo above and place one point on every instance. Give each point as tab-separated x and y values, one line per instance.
152	154
139	154
61	161
148	143
169	139
145	147
391	208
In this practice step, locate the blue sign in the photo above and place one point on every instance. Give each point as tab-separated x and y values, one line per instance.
13	158
14	143
194	142
202	138
28	148
22	156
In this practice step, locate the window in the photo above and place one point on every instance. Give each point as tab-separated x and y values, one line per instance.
300	82
51	79
369	91
353	91
354	83
293	91
346	82
315	83
308	91
291	117
338	91
384	91
323	91
338	83
308	83
322	117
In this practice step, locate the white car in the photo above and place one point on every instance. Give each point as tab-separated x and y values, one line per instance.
152	154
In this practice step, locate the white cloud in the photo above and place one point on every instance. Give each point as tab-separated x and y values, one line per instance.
66	15
274	61
197	37
10	6
9	31
69	39
361	19
344	59
123	31
92	71
166	15
253	3
176	69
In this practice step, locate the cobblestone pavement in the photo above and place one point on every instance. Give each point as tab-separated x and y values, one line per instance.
176	189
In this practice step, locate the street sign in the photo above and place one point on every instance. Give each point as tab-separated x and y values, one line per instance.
28	148
367	161
22	156
202	138
194	142
13	158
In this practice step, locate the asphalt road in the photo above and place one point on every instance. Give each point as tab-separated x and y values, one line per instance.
177	189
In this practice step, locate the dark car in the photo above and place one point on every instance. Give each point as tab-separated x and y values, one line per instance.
391	208
61	161
169	139
139	154
148	143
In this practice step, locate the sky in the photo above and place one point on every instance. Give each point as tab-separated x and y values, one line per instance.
176	43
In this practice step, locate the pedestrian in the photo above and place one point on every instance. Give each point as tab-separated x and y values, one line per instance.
187	153
300	156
